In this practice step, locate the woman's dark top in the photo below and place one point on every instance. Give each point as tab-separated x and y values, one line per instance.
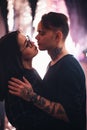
23	114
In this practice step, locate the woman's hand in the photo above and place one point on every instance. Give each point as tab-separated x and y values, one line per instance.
20	88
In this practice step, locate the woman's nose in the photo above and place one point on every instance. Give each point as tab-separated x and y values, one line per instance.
32	43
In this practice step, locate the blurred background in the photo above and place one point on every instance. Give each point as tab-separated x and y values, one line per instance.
25	15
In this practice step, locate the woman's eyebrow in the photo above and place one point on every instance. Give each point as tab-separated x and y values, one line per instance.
25	41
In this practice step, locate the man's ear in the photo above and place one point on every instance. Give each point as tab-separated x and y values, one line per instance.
59	35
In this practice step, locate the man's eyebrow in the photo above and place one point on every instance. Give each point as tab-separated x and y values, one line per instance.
40	31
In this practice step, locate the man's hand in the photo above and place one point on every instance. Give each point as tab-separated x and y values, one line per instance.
20	88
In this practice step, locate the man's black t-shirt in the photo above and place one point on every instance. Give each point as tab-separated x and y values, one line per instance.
64	83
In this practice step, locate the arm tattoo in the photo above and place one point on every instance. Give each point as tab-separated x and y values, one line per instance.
53	108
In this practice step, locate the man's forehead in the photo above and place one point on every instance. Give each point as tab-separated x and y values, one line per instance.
39	25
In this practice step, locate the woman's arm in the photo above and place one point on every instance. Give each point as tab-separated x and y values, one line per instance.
25	91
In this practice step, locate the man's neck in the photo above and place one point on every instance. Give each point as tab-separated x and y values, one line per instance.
55	53
58	55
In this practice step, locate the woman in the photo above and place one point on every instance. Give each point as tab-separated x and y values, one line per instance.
16	54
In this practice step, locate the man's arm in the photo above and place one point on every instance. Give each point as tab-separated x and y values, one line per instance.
25	91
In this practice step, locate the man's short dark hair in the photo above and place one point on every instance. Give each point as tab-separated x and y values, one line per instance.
53	20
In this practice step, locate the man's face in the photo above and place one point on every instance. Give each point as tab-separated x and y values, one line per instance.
46	38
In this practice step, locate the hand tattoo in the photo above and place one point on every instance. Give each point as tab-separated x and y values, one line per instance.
26	93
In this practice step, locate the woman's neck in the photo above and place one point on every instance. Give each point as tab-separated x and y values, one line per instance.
27	64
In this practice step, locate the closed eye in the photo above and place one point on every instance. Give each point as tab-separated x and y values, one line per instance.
26	44
41	32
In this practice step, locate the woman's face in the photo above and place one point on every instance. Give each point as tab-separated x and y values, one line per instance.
27	47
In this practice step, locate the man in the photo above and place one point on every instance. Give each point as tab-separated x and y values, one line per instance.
63	96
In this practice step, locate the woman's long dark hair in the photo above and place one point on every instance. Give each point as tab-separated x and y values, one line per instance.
10	60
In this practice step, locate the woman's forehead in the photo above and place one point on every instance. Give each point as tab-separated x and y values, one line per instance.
21	38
